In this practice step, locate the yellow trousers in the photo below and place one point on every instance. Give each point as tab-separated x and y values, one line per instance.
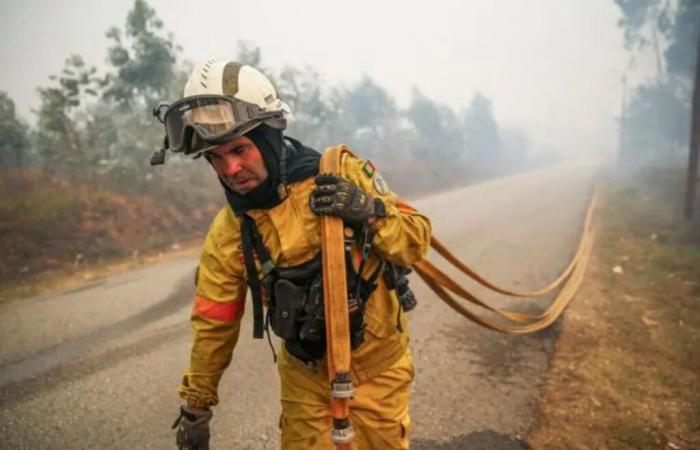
378	412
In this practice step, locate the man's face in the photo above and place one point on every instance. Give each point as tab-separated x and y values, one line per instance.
239	164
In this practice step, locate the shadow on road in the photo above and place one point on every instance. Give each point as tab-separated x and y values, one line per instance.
478	440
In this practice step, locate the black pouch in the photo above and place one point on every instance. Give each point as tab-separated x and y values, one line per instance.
289	300
290	306
297	313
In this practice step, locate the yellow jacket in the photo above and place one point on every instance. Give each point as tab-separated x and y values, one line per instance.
292	235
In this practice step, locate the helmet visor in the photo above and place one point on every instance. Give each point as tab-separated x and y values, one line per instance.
215	119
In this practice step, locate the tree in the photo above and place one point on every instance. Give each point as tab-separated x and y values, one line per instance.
14	140
644	22
249	54
683	36
679	24
656	125
312	116
483	142
143	58
58	137
437	129
365	116
653	128
121	130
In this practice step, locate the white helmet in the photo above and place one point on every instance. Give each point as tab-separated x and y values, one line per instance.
222	100
246	83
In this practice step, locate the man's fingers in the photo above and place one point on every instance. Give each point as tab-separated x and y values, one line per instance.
316	203
326	188
321	207
322	201
326	178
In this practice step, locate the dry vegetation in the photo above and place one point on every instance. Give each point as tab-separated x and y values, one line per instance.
626	370
51	228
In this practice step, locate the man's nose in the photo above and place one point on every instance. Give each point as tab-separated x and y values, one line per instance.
231	165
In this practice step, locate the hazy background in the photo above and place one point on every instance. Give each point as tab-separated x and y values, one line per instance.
438	94
551	68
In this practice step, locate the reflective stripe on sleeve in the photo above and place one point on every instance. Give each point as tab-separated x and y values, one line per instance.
404	206
226	312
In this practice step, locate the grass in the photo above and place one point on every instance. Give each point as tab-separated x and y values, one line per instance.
632	340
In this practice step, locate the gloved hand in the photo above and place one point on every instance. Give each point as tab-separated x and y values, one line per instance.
341	197
193	430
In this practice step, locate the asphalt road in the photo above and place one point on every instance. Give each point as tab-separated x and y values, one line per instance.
97	367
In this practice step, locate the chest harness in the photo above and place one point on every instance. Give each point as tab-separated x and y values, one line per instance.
295	294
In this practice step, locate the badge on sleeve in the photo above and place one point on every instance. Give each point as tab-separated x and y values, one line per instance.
369	169
380	185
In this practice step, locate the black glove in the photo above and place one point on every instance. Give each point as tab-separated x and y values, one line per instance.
340	197
193	430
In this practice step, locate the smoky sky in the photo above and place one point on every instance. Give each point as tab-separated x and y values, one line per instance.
552	68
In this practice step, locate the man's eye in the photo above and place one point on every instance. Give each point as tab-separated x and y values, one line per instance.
239	150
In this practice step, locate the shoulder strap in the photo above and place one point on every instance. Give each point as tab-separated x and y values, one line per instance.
251	241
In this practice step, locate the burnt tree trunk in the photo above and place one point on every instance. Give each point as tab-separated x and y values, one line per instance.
691	212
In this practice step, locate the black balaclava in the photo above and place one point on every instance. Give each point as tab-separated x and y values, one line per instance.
265	195
286	162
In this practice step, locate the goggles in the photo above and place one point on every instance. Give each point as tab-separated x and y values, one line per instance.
197	123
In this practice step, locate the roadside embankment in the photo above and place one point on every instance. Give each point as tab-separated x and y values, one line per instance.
53	229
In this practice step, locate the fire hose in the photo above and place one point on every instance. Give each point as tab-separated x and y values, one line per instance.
336	305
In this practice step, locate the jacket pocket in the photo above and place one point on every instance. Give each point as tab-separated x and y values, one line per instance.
380	327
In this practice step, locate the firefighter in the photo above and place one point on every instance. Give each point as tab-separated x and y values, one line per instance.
267	239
